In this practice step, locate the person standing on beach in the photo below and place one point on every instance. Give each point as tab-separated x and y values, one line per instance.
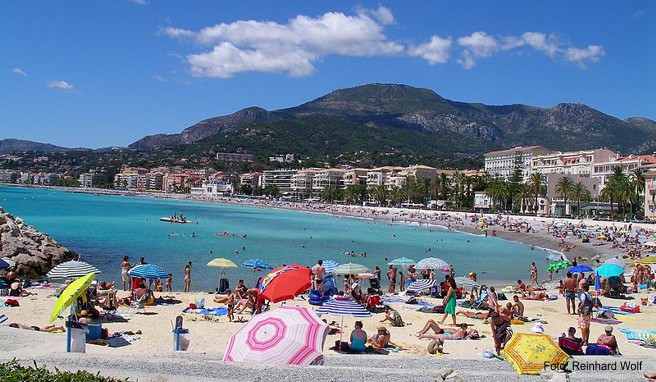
319	272
534	274
125	277
450	300
187	277
391	277
570	287
585	313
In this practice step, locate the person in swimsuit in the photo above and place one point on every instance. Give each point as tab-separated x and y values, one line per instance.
358	338
319	272
240	290
570	287
450	300
47	329
125	277
477	315
230	302
187	277
500	325
391	276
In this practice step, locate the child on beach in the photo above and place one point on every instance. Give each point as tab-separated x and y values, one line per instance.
169	283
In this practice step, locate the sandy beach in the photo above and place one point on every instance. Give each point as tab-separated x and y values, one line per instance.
149	356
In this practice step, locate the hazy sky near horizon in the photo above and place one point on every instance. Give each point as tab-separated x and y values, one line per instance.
98	74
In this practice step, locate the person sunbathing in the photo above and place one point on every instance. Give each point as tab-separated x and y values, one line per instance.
608	340
381	339
538	296
446	334
47	329
476	315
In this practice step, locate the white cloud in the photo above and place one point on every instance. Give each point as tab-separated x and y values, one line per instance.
291	48
436	51
19	71
140	2
592	53
480	45
159	78
63	85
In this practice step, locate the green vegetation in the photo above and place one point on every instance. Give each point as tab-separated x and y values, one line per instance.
12	371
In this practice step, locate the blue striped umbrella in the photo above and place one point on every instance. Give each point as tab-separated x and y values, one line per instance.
256	264
71	269
421	285
148	271
330	265
343	308
402	261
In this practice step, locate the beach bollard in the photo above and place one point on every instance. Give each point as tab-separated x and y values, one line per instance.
76	336
180	339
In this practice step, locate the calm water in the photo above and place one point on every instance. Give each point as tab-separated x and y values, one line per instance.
104	228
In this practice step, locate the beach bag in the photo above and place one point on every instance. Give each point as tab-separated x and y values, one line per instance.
11	302
586	309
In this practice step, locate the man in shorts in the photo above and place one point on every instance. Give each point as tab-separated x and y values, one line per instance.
570	287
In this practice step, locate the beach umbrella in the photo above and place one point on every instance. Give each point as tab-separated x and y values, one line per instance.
650	244
609	270
420	286
432	263
402	261
597	282
558	265
350	269
527	353
287	335
616	261
343	308
649	260
71	269
221	262
465	281
148	271
580	269
256	264
284	283
70	294
6	263
330	265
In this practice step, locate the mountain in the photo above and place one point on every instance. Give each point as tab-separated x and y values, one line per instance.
10	145
409	121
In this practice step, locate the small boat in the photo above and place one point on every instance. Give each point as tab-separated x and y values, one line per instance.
176	220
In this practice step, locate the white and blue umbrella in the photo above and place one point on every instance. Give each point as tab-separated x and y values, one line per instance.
256	264
420	286
432	263
465	281
6	263
148	271
343	308
330	265
402	261
350	269
71	269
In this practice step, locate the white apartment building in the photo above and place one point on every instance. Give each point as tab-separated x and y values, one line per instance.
628	164
418	172
302	182
214	188
387	176
330	177
571	162
282	179
502	163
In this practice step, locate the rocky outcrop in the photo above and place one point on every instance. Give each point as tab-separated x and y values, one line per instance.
34	253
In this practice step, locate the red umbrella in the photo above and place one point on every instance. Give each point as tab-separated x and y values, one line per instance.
285	283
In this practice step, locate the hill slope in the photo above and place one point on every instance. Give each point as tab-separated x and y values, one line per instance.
10	145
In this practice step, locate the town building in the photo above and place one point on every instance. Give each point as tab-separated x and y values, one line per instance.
329	177
388	176
503	163
556	202
302	182
419	172
252	178
216	187
572	162
281	179
628	164
355	176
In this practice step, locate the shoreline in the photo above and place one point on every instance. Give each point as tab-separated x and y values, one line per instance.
451	220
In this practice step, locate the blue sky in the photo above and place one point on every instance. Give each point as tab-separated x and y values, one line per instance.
97	74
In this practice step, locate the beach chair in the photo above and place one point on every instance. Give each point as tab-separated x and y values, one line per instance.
481	302
139	304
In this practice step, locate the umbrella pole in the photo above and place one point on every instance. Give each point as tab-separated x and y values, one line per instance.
341	331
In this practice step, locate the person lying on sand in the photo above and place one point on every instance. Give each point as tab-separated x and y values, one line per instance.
476	315
47	329
446	334
538	296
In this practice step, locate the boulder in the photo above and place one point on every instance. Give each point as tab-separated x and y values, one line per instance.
34	252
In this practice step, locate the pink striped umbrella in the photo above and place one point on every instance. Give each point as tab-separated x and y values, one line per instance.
287	335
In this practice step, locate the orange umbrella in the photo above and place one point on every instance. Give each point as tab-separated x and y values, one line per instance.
284	283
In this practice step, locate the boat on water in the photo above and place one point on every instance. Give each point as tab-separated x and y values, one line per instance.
175	220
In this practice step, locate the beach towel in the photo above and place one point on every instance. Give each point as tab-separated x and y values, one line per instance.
594	349
606	321
616	310
640	335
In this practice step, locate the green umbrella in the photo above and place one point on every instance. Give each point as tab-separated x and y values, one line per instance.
559	265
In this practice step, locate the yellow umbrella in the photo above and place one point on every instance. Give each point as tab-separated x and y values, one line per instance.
221	262
528	353
70	294
649	260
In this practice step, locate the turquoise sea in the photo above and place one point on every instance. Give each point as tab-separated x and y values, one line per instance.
104	228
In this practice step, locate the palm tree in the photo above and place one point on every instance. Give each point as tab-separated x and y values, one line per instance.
580	193
444	186
352	194
564	189
459	183
397	195
380	194
523	196
621	187
638	181
538	188
498	191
